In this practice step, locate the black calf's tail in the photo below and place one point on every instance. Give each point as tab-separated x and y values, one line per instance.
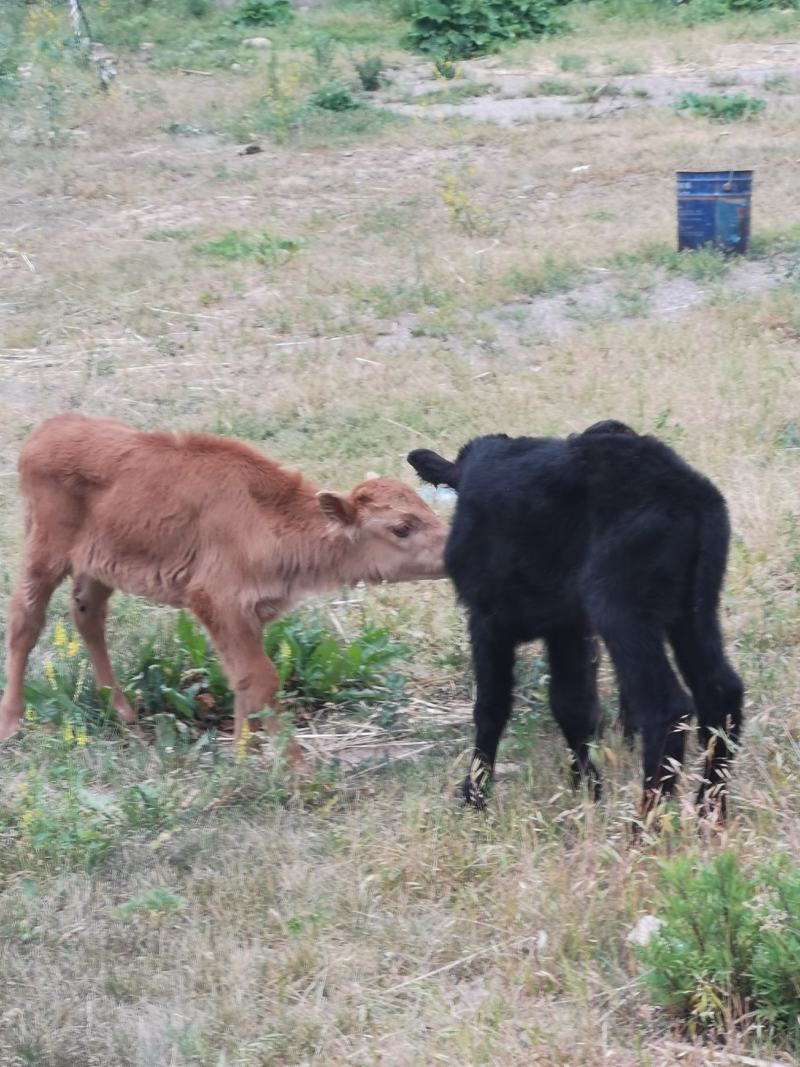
717	688
714	536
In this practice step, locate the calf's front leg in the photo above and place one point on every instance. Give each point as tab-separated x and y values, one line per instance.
493	664
251	674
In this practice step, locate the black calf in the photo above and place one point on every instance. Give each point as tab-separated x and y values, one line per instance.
609	533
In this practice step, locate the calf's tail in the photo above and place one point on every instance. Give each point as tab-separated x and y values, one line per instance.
714	535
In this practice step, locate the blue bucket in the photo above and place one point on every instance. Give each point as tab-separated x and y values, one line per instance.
714	209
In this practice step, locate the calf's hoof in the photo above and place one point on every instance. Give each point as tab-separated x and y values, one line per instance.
587	776
9	723
475	787
473	795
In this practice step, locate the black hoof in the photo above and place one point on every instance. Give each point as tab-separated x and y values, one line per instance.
473	794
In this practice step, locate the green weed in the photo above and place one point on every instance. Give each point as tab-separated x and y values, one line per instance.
261	13
728	948
370	72
721	108
333	97
154	902
264	248
177	672
445	68
702	264
181	672
460	28
315	667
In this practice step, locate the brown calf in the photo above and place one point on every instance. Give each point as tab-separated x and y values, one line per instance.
196	522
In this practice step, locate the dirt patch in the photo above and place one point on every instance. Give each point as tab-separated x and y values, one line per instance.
515	95
553	316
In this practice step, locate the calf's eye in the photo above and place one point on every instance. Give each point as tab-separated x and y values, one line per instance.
403	530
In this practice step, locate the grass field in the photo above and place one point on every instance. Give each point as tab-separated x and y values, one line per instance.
408	271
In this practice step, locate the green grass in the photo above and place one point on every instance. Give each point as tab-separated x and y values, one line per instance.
554	87
627	66
781	83
702	265
572	62
552	276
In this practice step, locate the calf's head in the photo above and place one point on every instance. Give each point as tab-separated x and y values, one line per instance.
395	536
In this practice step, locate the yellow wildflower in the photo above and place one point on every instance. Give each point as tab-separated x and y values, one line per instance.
244	740
72	648
30	714
50	673
81	681
59	635
81	739
68	733
27	817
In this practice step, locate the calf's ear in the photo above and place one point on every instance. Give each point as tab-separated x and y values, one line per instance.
337	507
433	468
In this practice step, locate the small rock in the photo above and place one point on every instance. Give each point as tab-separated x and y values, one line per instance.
251	150
236	66
643	931
257	42
147	46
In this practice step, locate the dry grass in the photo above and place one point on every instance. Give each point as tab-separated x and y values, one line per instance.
367	920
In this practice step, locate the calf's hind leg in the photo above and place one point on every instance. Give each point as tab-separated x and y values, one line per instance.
718	695
88	609
573	698
655	698
26	618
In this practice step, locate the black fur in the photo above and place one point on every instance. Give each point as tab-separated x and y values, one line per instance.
605	533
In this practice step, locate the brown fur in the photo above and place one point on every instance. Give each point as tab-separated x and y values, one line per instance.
198	522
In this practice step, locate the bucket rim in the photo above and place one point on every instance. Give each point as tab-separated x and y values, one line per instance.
707	173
